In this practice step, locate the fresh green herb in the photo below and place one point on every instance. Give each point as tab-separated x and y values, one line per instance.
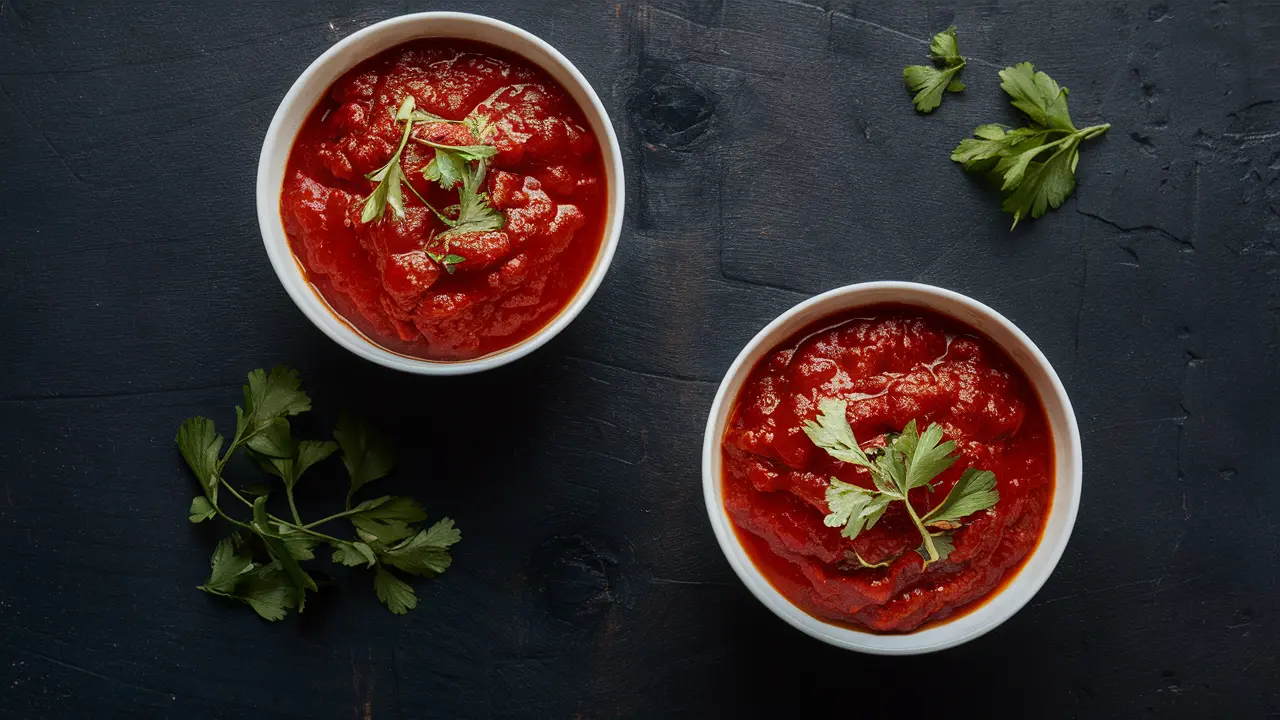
258	564
908	460
1031	181
389	177
445	168
927	81
452	165
448	261
853	556
475	214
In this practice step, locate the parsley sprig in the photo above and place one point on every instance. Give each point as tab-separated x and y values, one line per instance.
1032	181
452	165
260	562
909	460
927	81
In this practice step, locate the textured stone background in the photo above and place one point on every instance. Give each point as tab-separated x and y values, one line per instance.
771	153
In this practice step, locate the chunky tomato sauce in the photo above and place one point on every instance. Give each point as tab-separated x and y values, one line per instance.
891	364
547	179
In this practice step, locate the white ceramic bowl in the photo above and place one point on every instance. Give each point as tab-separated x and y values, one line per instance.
1067	471
349	52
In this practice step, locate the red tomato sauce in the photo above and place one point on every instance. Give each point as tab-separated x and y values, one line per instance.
891	364
547	179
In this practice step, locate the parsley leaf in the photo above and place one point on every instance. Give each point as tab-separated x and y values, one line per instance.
201	509
943	544
274	395
1032	178
273	440
465	153
228	562
832	433
475	214
199	443
854	508
298	544
269	592
425	554
388	519
354	554
925	457
973	492
366	454
388	192
927	81
909	460
394	592
1037	96
445	168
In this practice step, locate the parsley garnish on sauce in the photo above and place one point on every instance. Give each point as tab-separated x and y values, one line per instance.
1035	164
907	461
927	81
259	564
453	165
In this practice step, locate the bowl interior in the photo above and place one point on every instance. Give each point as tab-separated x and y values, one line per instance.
313	84
1067	468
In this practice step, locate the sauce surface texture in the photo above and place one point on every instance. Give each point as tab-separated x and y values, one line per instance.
547	179
891	364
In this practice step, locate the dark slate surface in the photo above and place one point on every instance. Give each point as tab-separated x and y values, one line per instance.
771	153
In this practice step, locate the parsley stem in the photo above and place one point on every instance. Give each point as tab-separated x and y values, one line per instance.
430	207
232	520
296	526
331	518
1094	131
270	517
924	533
330	538
293	507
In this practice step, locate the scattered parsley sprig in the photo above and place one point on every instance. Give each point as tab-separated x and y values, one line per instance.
909	460
927	81
259	563
1032	181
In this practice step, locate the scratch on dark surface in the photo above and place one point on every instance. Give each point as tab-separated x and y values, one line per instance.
1131	423
735	280
1187	245
85	671
596	451
623	368
1034	279
730	68
40	131
694	23
1107	589
114	393
1250	106
1157	589
1249	138
673	581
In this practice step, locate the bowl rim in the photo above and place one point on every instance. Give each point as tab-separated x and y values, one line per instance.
1045	555
307	297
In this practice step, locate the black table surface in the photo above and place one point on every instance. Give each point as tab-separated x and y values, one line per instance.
771	153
